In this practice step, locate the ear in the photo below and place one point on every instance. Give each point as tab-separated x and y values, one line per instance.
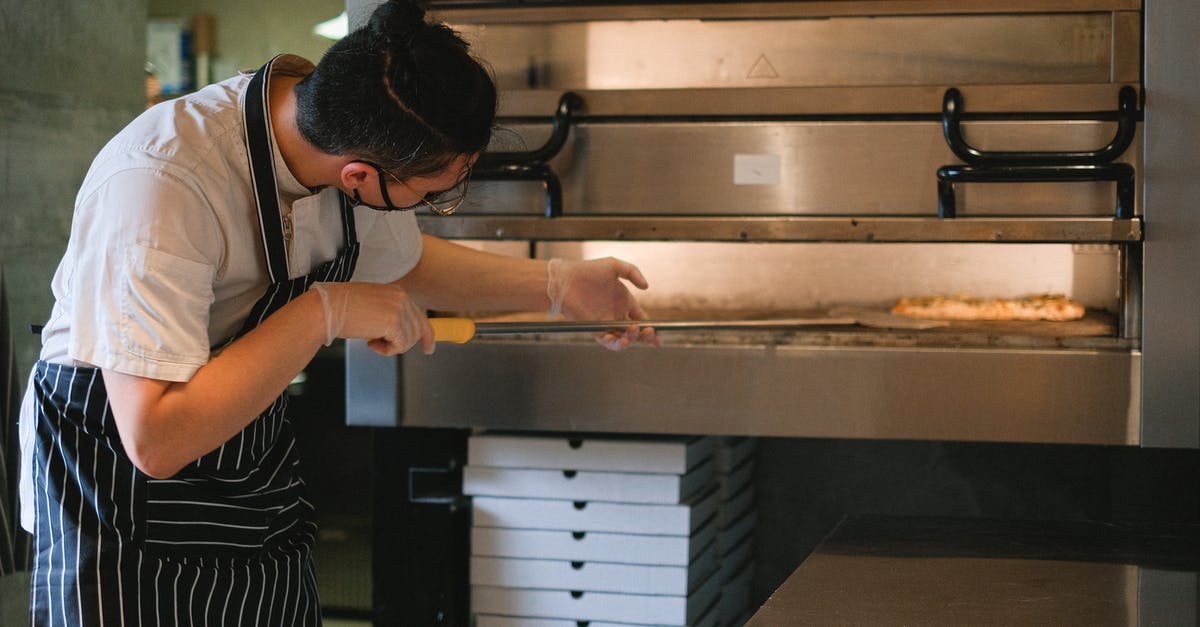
355	174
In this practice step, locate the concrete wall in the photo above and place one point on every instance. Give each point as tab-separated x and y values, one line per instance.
71	76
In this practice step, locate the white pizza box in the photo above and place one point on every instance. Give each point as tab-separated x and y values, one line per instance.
594	576
709	619
525	513
739	480
591	546
730	452
586	485
577	605
611	452
730	537
732	510
735	596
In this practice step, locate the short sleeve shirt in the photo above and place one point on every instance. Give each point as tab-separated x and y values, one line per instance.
165	258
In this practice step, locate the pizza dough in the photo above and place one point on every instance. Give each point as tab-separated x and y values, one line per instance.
1037	307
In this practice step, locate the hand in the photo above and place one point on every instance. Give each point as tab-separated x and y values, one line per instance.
382	313
594	290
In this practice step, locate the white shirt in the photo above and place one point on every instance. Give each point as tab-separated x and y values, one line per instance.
165	258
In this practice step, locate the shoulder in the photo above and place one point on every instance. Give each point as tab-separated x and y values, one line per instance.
200	135
187	153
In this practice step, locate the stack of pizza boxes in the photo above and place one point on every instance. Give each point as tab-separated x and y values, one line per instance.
604	530
733	467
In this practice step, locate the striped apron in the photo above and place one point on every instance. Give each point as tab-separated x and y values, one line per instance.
226	541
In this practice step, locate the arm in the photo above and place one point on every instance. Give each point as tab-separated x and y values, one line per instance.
166	425
453	277
148	248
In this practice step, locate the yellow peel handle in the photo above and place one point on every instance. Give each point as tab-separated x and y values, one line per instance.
457	330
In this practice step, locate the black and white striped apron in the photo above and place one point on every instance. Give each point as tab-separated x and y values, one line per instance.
226	541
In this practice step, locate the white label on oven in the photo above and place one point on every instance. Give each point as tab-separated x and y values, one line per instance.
756	169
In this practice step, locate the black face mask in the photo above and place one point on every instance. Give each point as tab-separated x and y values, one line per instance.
382	176
441	203
390	207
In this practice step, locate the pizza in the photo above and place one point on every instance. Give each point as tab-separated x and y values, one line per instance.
1055	307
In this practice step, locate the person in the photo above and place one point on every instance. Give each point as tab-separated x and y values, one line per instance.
217	243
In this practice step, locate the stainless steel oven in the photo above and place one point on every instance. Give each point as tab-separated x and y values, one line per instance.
764	159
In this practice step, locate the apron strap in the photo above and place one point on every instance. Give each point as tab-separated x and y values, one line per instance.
262	172
348	227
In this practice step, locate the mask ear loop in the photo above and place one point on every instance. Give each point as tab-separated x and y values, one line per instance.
380	175
359	201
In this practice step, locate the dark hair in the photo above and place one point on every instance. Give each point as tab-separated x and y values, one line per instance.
400	91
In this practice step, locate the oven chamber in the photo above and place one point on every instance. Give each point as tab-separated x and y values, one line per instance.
769	159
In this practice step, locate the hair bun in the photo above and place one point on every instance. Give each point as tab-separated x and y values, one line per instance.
397	20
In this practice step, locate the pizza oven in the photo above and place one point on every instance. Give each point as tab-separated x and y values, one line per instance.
802	160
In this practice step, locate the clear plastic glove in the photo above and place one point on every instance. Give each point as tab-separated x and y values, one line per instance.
594	290
381	313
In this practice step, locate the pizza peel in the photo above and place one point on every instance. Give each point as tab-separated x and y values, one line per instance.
463	330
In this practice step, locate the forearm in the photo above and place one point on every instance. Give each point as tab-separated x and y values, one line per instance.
451	277
166	425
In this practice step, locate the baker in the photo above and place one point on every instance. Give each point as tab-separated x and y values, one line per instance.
217	243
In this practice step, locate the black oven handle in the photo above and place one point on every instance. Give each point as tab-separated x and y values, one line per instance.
568	104
532	165
1126	117
1120	173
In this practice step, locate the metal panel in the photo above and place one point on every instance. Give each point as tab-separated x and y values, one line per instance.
372	385
515	11
822	168
784	229
1171	297
1127	37
768	389
843	51
828	101
1168	597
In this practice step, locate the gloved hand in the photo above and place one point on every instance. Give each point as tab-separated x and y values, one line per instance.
381	313
593	290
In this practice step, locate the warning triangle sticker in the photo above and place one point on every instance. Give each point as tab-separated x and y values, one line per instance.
762	68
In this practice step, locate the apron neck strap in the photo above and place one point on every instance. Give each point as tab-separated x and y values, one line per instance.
259	147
